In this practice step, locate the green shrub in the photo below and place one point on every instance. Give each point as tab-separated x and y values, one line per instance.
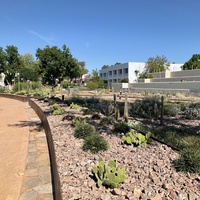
192	113
83	130
107	121
95	143
121	127
87	111
108	174
74	106
78	120
147	108
189	160
171	109
76	100
57	110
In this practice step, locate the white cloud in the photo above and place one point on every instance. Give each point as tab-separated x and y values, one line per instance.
48	40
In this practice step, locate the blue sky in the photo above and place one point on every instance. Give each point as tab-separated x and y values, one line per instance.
103	32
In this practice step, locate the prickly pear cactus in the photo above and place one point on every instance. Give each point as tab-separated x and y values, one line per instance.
136	138
108	174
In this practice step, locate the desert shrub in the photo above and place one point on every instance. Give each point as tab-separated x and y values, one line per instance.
57	110
171	109
192	113
78	120
87	111
83	130
107	120
92	100
121	127
74	106
147	108
92	85
76	100
189	160
96	116
95	143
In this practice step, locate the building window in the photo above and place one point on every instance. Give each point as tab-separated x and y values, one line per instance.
115	72
101	75
120	71
110	73
126	70
104	74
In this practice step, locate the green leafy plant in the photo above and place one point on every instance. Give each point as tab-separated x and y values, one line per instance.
83	130
121	127
74	106
107	174
57	110
136	138
95	143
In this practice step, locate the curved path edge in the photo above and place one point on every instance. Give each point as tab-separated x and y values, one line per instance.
56	188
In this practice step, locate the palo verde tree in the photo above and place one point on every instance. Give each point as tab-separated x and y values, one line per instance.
157	64
192	63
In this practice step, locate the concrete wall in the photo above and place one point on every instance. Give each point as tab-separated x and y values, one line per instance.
175	79
186	73
171	85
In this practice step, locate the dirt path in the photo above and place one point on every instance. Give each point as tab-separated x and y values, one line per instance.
14	138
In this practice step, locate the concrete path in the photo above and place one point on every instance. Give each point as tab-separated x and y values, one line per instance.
24	162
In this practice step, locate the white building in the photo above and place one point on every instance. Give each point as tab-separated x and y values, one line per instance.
130	71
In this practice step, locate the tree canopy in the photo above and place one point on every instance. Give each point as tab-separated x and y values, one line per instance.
57	63
157	64
192	63
29	68
12	63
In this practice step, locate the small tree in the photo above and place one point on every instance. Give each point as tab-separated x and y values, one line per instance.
157	64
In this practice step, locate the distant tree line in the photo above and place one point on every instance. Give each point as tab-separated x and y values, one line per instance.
51	64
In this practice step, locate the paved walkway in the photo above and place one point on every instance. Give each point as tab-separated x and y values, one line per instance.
24	162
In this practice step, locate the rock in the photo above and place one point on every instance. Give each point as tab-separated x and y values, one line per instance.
105	197
137	192
157	197
117	191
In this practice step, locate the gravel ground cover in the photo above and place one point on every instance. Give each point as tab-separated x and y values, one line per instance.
149	171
